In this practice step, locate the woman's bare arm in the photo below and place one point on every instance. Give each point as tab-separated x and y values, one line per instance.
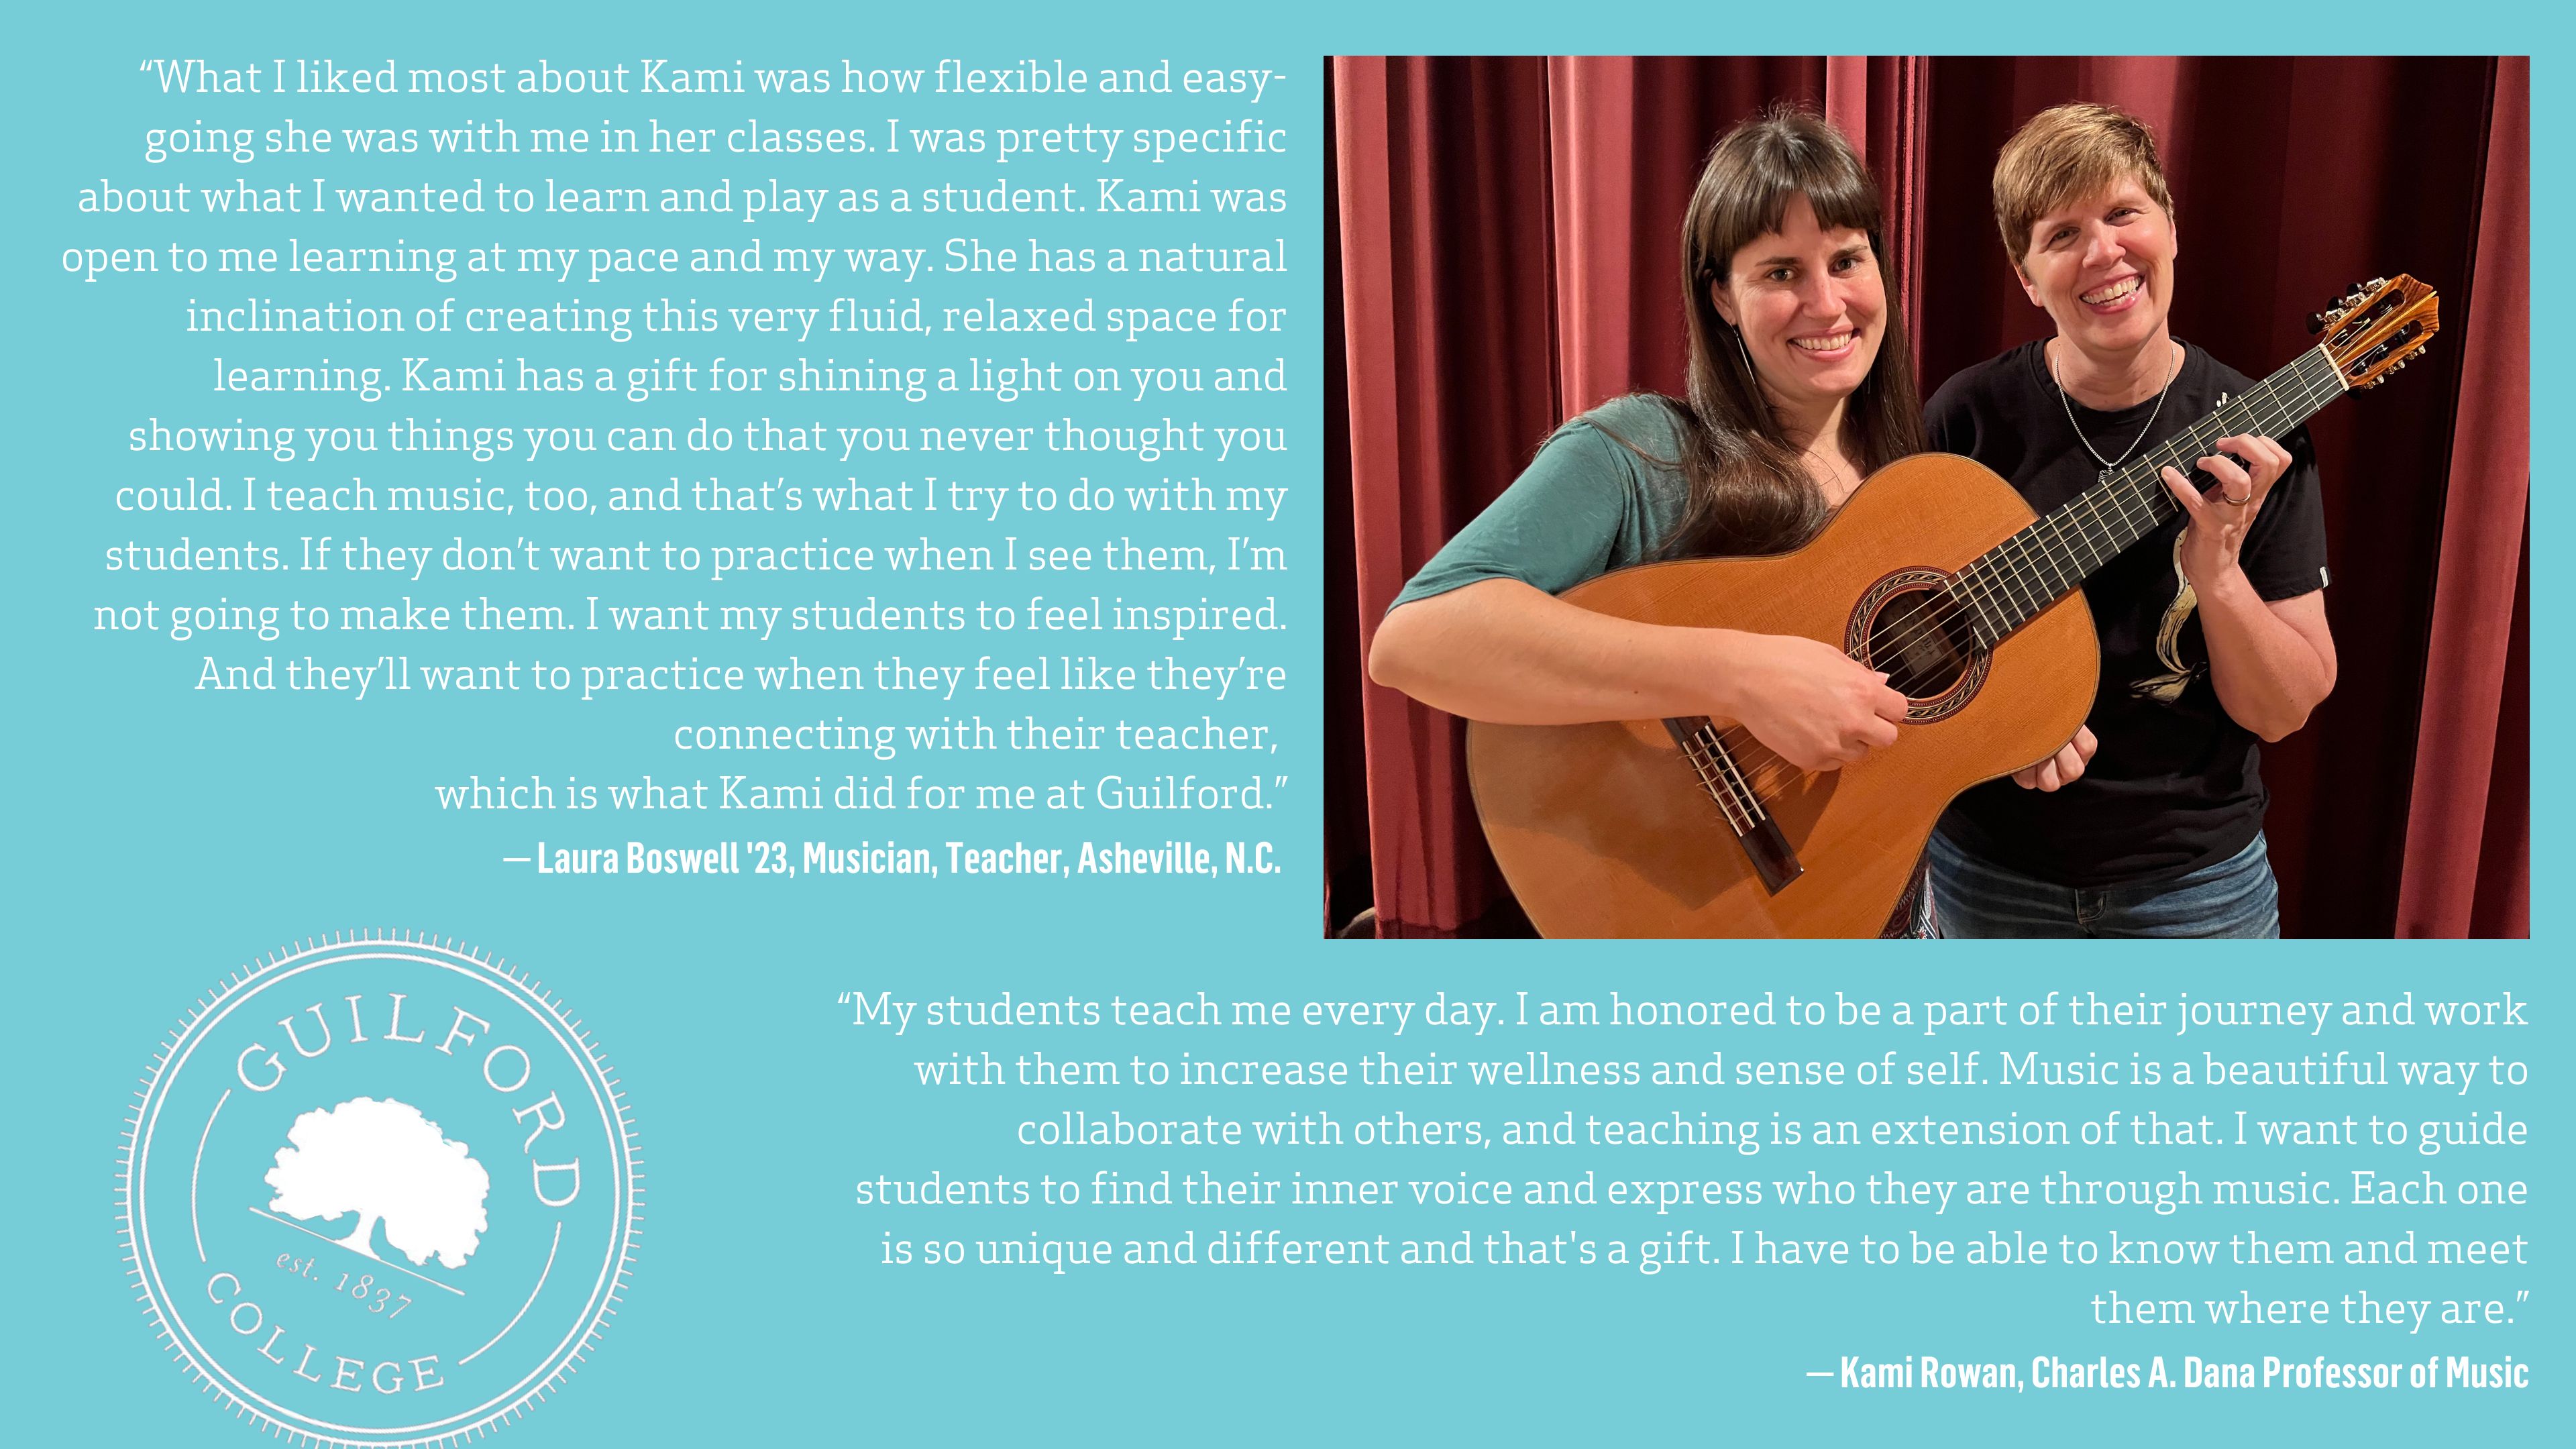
1503	651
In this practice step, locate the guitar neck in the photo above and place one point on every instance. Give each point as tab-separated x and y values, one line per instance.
2012	582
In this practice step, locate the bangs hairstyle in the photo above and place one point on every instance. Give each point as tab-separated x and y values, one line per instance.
2065	155
1749	488
1752	174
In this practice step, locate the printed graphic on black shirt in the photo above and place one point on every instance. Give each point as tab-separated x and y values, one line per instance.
2167	687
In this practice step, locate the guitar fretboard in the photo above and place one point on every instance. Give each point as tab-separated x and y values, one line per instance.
2015	580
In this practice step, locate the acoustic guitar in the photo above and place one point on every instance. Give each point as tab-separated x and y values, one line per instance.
1935	572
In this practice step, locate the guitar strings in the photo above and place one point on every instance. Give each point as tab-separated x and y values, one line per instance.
2140	484
2143	490
1739	792
1738	814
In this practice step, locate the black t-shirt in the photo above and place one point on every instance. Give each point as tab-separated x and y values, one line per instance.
2177	784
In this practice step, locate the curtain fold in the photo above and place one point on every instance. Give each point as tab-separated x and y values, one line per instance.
1506	233
1347	889
1592	153
1447	315
2483	573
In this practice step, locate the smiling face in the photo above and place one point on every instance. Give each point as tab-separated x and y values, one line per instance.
1811	307
2103	267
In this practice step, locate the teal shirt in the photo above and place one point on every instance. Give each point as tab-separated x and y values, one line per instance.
1586	504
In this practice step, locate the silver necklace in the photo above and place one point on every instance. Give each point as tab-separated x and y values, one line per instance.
2172	370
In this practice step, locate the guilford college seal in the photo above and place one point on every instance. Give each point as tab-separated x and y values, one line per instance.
380	1191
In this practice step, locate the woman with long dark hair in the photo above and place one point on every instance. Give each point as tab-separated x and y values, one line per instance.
1799	388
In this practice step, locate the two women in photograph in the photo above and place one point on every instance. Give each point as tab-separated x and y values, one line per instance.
2212	630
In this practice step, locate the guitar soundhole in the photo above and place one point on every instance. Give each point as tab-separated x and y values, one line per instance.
1922	640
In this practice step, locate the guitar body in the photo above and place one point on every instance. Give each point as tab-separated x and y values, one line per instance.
1607	830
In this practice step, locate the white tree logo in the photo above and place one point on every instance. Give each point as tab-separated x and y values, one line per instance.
384	1160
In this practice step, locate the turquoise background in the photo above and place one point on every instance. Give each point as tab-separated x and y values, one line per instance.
163	838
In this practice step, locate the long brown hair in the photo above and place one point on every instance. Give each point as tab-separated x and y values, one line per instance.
1749	488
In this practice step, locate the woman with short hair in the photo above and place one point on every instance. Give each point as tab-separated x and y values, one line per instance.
2212	629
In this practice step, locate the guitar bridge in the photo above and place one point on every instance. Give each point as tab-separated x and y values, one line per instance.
1755	829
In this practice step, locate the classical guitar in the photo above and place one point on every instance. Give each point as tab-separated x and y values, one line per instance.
1935	572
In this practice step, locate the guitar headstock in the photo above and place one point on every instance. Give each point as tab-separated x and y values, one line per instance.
2374	331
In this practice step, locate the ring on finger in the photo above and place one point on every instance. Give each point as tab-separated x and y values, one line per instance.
2237	502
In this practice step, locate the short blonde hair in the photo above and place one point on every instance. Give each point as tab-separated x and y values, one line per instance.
2066	154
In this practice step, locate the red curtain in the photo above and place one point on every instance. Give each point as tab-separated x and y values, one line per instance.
1447	323
1504	235
2468	827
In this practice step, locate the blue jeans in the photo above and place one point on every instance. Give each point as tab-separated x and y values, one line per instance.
1977	899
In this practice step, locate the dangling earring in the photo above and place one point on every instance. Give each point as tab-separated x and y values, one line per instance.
1740	351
